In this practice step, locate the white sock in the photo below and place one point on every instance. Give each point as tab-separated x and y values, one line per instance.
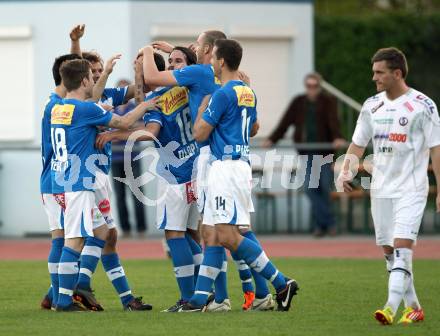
410	298
389	260
399	277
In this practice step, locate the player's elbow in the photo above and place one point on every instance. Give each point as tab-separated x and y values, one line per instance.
255	129
199	134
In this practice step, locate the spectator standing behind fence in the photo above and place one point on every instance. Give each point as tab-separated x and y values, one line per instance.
315	118
118	171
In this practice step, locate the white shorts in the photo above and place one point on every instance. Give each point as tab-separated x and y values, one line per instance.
397	217
229	198
54	212
176	209
203	167
78	213
102	213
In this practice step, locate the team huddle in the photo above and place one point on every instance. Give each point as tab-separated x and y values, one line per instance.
204	110
201	112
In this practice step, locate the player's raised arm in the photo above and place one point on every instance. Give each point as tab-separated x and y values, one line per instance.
149	131
202	129
75	35
152	76
126	121
138	81
99	87
163	46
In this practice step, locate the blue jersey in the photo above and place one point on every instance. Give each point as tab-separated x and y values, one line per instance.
73	134
232	112
200	81
113	97
46	145
177	147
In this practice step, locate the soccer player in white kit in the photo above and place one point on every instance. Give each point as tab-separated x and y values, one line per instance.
404	127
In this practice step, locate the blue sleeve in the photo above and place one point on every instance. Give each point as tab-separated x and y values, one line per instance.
153	117
188	75
216	107
95	115
116	94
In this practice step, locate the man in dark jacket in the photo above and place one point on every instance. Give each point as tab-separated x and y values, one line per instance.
315	118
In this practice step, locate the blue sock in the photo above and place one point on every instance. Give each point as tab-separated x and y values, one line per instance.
115	272
197	253
53	263
261	288
244	273
50	292
221	283
209	270
183	266
255	257
90	256
67	272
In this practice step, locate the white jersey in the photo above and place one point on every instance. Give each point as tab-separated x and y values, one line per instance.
402	130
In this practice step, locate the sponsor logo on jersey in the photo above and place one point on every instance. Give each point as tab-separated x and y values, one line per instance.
61	200
397	137
386	150
374	109
174	99
381	136
245	95
428	102
62	114
384	121
104	206
403	121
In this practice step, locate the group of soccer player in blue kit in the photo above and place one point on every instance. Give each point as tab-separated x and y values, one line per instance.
204	109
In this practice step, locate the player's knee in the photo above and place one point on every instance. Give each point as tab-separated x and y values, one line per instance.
75	244
195	235
226	238
170	234
101	232
112	238
209	235
58	233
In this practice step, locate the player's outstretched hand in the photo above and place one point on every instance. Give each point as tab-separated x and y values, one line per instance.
244	77
343	181
103	138
109	65
437	202
106	107
163	46
192	46
77	32
148	48
153	104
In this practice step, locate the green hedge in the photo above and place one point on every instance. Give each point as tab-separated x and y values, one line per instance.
344	46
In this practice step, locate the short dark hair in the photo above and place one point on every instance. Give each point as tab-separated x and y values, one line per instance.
73	72
92	57
231	51
314	75
57	64
210	36
394	58
160	61
191	57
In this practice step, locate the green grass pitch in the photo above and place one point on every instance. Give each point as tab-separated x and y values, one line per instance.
337	297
